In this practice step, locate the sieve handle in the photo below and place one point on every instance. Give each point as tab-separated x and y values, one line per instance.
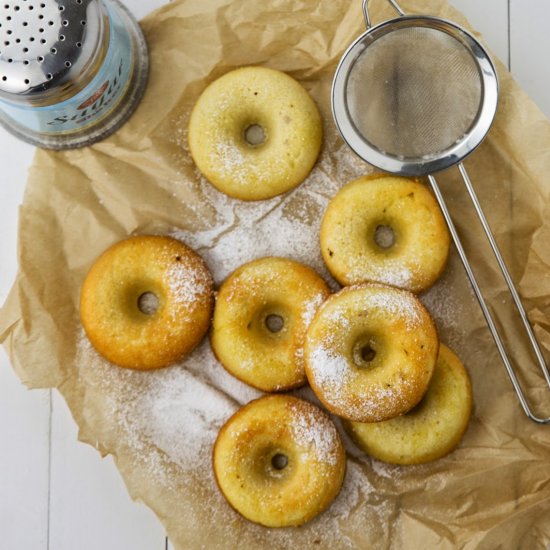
487	314
366	15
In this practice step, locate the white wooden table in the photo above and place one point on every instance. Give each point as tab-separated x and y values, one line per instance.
57	493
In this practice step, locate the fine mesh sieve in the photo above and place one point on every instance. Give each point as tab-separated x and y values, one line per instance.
422	95
415	95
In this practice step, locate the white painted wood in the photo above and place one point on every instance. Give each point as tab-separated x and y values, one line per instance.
90	508
490	18
529	37
15	159
24	462
24	414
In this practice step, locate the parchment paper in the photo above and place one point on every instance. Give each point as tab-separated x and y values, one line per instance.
492	492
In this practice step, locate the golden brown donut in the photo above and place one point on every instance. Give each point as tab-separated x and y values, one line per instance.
279	461
385	229
116	317
431	429
255	133
260	320
370	352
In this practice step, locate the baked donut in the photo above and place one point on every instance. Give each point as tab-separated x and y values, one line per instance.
255	133
279	461
385	229
370	352
431	429
146	302
260	320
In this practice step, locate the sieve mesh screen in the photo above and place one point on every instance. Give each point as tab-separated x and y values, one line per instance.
414	92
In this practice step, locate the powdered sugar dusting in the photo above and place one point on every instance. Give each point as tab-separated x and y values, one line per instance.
335	375
391	272
228	159
350	389
451	308
310	308
313	430
246	231
397	304
187	283
330	369
181	415
176	411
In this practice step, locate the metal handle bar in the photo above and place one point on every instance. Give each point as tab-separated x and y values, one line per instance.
366	11
487	314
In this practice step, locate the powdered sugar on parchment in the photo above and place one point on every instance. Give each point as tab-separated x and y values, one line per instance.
285	226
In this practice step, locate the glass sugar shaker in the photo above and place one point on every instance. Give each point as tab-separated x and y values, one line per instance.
71	71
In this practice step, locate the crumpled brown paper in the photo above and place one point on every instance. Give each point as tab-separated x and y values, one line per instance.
492	492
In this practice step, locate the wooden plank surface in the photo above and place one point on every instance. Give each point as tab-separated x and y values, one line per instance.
90	508
530	49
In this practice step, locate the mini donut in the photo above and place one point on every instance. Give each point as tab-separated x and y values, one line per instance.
146	302
260	320
385	229
279	461
431	429
255	133
370	352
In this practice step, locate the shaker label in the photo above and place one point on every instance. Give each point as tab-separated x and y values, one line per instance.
91	104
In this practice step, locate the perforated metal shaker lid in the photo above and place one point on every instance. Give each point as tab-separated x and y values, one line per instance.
48	48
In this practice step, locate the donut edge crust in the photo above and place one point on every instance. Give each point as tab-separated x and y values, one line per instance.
369	416
254	185
340	467
250	381
171	351
421	279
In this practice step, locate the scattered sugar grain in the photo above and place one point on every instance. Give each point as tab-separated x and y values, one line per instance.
449	313
329	368
312	429
399	304
181	415
186	283
390	273
310	308
244	231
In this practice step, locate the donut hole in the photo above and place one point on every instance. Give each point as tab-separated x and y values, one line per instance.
274	323
255	135
364	353
384	236
148	303
273	462
279	461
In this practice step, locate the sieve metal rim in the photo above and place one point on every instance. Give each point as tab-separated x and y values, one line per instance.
411	166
